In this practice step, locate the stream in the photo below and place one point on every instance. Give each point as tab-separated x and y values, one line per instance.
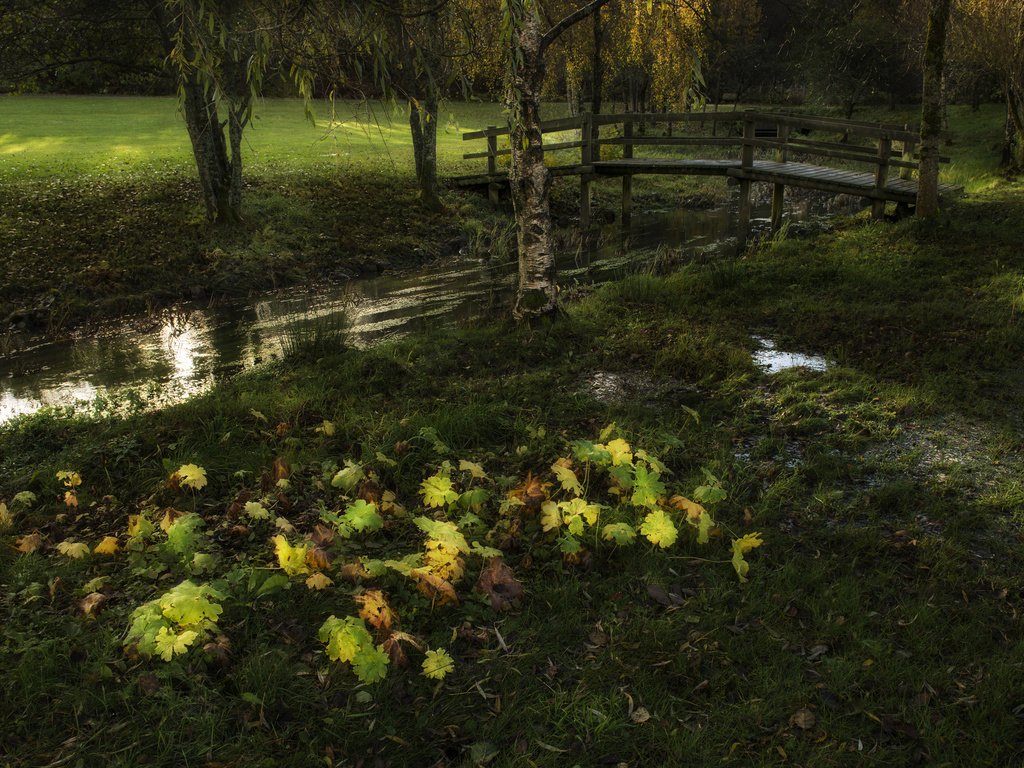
184	351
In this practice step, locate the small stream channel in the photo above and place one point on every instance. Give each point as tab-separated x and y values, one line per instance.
184	351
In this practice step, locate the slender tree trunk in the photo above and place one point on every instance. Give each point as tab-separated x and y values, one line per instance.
597	76
1012	156
423	126
931	108
529	178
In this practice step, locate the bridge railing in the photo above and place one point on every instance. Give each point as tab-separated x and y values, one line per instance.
782	135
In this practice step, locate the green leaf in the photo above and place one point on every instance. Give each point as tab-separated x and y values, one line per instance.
183	535
473	468
371	664
444	532
348	477
168	644
485	552
584	450
704	525
569	545
190	604
659	529
437	491
621	533
276	583
647	488
362	516
437	664
474	499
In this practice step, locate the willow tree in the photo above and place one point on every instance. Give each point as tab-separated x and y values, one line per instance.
989	36
931	108
219	50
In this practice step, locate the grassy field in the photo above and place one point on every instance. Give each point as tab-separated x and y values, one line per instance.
100	212
880	624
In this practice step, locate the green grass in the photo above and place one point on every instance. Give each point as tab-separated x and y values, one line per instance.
887	600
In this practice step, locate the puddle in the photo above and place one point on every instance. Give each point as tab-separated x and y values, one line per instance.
156	361
772	359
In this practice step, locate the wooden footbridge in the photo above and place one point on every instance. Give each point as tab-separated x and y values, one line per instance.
767	147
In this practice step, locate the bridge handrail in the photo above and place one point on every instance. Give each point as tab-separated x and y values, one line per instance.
785	125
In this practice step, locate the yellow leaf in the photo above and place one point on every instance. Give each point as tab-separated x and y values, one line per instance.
6	518
73	549
192	476
29	543
283	524
139	526
567	478
70	498
473	468
739	548
291	559
108	546
327	429
692	509
318	581
437	664
70	479
550	516
256	511
659	529
620	451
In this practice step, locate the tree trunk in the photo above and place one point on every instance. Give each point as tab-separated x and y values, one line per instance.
423	124
931	108
529	178
219	177
1012	156
597	76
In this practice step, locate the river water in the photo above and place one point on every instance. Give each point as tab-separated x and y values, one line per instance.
184	351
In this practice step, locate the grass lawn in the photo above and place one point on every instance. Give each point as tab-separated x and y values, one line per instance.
880	623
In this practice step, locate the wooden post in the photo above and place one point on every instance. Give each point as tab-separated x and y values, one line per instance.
493	190
779	192
586	137
747	162
881	176
627	178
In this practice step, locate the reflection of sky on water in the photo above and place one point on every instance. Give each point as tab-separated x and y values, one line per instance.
182	353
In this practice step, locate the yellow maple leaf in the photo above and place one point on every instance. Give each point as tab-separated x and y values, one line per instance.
71	498
318	581
29	543
291	559
437	664
473	468
620	452
70	479
550	516
739	548
192	476
567	477
73	549
108	546
6	518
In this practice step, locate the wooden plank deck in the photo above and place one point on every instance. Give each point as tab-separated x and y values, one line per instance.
802	175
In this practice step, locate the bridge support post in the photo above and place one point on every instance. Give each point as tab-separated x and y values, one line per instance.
881	177
493	190
747	164
778	204
586	158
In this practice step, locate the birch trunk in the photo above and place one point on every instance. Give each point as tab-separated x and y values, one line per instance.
530	180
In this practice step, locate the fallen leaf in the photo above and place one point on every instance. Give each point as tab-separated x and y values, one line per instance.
318	581
433	586
375	610
282	470
29	543
91	604
640	715
500	584
803	719
108	546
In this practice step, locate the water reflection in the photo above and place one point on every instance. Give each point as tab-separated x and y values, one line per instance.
184	352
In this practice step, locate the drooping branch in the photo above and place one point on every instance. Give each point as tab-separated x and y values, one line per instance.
573	18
